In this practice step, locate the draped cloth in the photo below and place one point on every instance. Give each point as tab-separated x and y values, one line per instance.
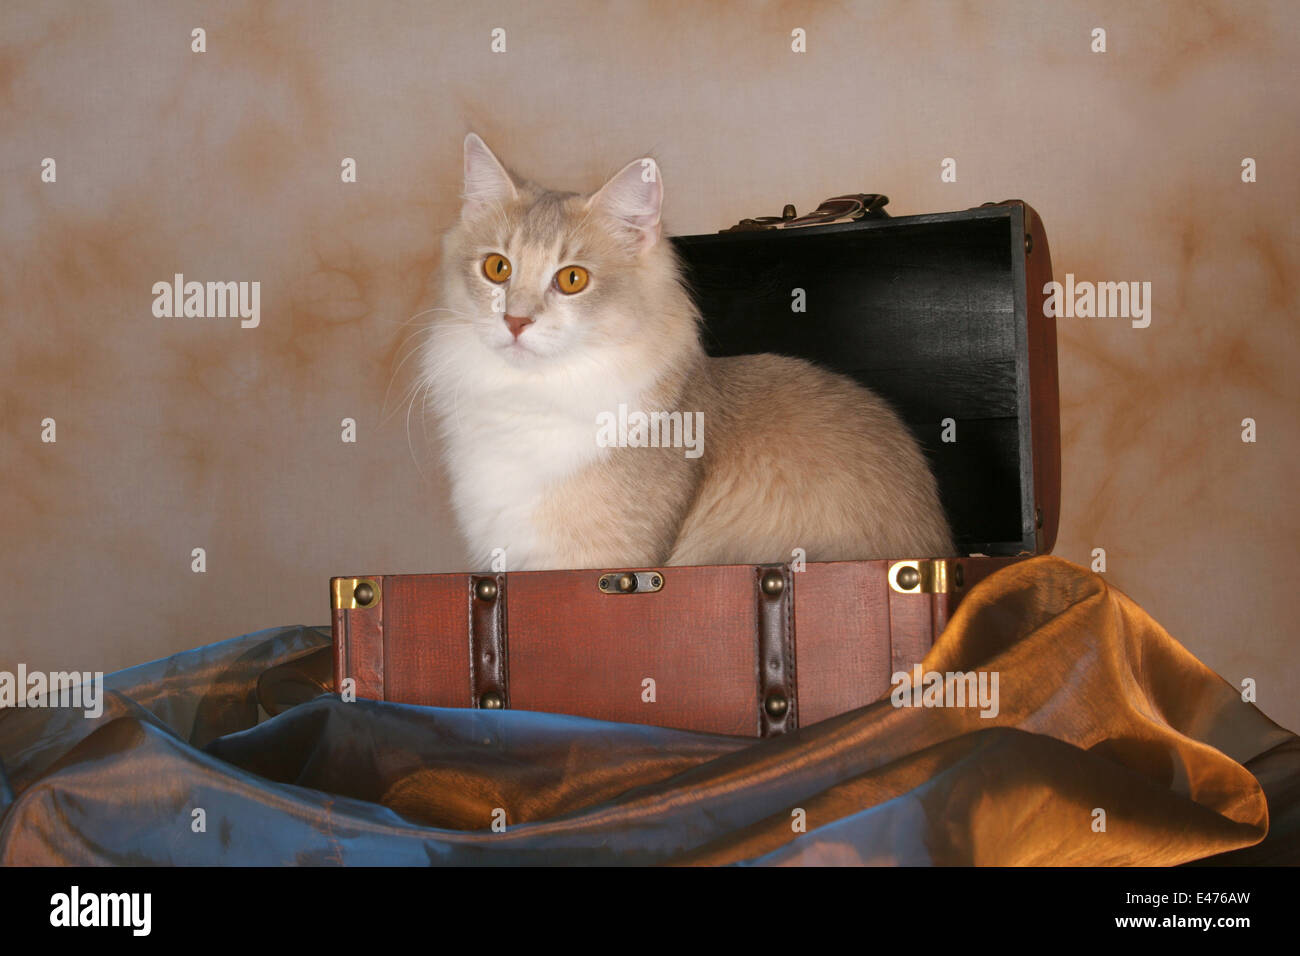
1112	744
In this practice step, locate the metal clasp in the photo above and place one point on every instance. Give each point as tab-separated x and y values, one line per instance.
630	582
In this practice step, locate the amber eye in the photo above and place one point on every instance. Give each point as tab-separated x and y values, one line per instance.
571	279
496	267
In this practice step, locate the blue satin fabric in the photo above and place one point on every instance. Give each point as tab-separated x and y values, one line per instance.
1100	709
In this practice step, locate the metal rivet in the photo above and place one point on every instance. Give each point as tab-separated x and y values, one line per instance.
364	593
486	589
491	701
1029	243
958	575
773	582
908	578
656	581
776	705
604	584
626	582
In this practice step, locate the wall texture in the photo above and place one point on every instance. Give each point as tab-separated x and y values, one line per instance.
177	433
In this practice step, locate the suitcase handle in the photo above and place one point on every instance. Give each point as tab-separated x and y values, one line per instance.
847	208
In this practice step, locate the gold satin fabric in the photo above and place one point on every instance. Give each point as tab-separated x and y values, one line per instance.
1100	709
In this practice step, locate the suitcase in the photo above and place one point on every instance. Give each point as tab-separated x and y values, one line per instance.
942	315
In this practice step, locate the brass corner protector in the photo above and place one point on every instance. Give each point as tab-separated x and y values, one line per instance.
924	576
351	594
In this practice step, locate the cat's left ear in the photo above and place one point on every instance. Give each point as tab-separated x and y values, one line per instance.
634	198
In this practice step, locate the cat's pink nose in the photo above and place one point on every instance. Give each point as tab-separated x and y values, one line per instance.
517	323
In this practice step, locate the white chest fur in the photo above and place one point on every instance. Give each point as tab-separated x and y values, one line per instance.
508	439
502	463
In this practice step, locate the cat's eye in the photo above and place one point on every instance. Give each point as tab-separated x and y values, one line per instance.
496	267
571	279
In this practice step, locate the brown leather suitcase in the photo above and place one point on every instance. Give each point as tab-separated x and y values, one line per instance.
942	315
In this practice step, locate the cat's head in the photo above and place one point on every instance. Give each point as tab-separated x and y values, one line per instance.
547	279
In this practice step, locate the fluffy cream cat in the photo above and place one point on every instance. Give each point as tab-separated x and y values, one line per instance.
559	308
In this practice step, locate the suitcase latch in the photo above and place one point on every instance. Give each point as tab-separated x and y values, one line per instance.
630	582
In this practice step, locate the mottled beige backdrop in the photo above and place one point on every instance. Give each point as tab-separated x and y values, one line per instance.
181	433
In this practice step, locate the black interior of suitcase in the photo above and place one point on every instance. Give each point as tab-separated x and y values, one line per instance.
928	311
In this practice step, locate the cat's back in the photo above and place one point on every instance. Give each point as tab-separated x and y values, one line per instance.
787	403
800	457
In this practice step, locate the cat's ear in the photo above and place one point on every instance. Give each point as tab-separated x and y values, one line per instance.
634	198
486	180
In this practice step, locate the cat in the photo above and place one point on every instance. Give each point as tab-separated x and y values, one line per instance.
558	308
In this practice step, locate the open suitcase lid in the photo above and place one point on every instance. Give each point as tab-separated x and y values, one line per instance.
941	315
